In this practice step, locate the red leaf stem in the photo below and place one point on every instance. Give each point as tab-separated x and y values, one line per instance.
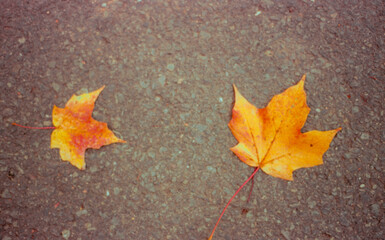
32	127
239	189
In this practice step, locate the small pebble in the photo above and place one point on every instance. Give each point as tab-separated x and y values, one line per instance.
56	87
171	67
116	190
66	233
162	79
5	194
205	34
211	169
365	136
162	149
51	64
354	83
47	123
93	169
144	83
89	227
21	40
81	212
375	209
286	234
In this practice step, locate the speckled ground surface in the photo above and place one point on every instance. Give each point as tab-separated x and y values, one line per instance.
168	68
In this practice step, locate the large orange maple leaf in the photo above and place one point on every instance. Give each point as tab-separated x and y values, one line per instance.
76	130
270	138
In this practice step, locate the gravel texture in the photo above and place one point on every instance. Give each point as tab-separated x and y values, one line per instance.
168	67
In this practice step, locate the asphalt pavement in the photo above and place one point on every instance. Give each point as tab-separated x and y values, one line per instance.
168	67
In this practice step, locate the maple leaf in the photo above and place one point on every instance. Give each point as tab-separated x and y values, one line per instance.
76	130
271	138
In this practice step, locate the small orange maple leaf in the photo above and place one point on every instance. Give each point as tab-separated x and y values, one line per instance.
76	130
271	138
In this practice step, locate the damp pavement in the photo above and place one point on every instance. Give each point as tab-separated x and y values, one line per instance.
168	67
